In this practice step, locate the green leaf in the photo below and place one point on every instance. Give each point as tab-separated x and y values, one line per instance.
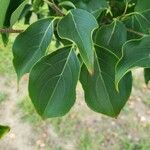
25	12
13	5
93	6
100	92
5	39
142	5
28	16
16	14
147	75
52	83
3	7
78	26
112	37
67	3
136	53
31	45
138	23
4	130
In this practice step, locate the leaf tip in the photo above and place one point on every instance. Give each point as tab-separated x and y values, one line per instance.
4	130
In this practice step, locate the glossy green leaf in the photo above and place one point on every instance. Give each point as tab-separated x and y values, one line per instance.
147	75
136	53
4	130
16	14
112	37
78	26
31	45
52	83
3	9
100	93
142	5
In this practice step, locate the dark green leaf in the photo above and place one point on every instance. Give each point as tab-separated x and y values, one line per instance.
25	11
3	9
138	24
112	37
16	14
100	93
93	6
28	16
13	5
31	45
142	5
5	39
7	7
3	130
52	83
78	26
147	75
136	53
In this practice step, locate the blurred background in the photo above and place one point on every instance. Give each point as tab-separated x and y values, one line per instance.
81	128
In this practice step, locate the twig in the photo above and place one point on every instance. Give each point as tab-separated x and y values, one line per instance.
55	7
8	30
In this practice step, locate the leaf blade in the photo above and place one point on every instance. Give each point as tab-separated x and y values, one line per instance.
142	5
147	75
3	7
74	27
16	14
133	57
3	130
53	81
112	37
100	93
93	6
31	45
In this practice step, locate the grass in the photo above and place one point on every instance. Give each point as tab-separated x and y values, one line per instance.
125	135
129	144
6	67
28	112
3	96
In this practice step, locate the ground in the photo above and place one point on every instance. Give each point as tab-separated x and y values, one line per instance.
80	129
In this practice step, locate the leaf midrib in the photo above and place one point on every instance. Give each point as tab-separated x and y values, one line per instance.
78	34
104	83
60	76
39	47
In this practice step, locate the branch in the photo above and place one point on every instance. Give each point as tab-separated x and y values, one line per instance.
55	7
8	30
